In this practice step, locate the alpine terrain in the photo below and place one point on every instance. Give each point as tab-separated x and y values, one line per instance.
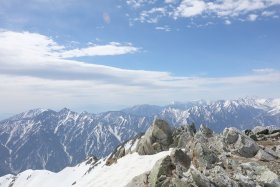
50	140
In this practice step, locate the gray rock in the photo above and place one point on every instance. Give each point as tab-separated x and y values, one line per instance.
163	167
273	136
264	156
277	150
139	181
244	181
181	161
183	135
203	157
157	138
239	143
261	174
220	178
175	182
246	147
231	135
271	152
199	179
206	131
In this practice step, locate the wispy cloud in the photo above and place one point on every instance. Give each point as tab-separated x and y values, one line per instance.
218	9
164	28
265	70
252	17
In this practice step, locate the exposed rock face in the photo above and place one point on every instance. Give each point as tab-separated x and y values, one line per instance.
183	135
206	159
139	181
161	172
181	161
157	138
203	157
262	175
264	156
240	143
123	149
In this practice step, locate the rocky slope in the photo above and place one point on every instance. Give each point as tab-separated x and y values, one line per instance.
174	157
46	139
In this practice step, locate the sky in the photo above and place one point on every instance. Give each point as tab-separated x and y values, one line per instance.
91	55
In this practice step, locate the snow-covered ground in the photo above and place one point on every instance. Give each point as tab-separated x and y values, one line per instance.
117	175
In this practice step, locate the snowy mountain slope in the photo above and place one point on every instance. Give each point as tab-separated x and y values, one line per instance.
117	175
46	139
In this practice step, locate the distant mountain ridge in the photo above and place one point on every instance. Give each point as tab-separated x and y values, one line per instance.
46	139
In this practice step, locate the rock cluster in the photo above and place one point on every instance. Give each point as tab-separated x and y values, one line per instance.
205	159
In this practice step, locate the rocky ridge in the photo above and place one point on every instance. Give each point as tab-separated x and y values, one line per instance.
202	158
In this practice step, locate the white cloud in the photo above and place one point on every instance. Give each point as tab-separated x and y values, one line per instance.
268	13
164	28
190	8
252	17
224	9
30	45
152	15
170	1
139	3
264	70
100	50
227	22
33	73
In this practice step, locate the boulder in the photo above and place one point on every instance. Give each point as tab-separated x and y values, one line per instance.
239	143
157	138
261	174
206	131
277	150
161	171
183	135
231	135
271	152
139	181
181	161
264	156
203	157
175	182
220	178
244	181
197	179
246	147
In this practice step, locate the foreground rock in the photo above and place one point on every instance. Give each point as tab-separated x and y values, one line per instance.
239	143
206	159
157	138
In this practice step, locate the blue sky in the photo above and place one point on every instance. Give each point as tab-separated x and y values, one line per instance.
105	55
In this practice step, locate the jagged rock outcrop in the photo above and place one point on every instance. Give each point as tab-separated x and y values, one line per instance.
157	138
183	135
239	143
123	149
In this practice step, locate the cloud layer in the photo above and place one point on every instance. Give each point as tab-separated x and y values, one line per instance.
36	71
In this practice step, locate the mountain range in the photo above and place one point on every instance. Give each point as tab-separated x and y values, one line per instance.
51	140
179	157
